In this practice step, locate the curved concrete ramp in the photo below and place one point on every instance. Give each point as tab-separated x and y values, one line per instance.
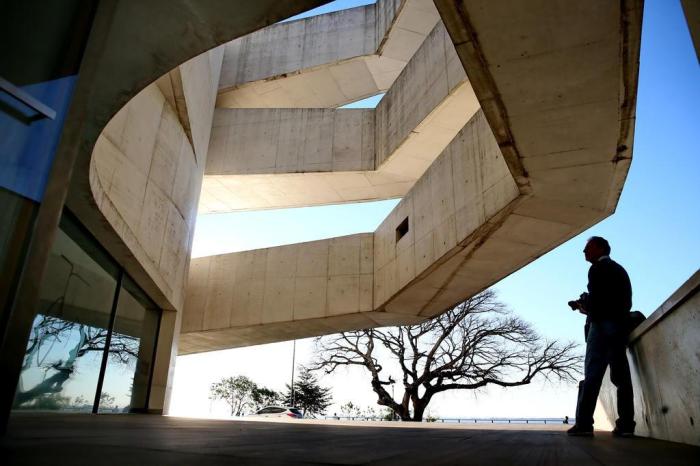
285	157
361	280
327	60
546	159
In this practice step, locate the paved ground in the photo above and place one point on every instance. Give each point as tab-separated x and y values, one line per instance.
80	439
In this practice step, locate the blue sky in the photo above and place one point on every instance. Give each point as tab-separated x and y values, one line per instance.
654	233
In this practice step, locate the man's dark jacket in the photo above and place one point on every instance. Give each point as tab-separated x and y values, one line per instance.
609	292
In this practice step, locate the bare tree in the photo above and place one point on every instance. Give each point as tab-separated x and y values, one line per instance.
47	331
475	344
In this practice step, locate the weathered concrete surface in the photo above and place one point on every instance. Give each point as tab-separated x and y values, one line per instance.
331	156
557	86
182	89
295	282
139	439
327	60
301	289
119	63
145	176
665	363
290	140
286	292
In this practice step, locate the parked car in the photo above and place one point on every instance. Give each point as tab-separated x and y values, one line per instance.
278	411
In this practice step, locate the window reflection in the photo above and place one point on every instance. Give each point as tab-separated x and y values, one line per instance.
65	350
128	372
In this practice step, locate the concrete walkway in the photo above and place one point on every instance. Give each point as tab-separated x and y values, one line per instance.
81	439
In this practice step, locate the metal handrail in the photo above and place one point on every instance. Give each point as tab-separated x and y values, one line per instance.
27	99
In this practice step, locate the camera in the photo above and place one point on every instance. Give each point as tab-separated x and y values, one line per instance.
579	304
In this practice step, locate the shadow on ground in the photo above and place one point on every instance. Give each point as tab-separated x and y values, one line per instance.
75	439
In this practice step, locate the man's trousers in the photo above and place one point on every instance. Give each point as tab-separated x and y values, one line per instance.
606	344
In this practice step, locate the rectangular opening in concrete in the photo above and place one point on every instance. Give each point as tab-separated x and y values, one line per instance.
402	229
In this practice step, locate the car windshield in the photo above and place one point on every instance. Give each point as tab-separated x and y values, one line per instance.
295	411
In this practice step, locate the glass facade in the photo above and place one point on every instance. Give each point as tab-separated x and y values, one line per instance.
95	332
131	348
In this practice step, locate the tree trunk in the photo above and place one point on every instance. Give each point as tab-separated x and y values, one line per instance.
418	410
404	413
53	384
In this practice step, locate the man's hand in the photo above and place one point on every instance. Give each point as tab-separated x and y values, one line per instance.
578	305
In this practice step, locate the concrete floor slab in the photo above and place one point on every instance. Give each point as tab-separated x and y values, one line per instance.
77	439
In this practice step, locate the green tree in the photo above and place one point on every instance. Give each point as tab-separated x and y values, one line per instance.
263	396
388	414
308	394
237	392
350	409
241	393
370	412
106	401
51	401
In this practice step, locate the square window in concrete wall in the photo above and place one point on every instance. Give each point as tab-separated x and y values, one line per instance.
402	229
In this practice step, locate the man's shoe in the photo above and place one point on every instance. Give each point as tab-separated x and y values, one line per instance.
617	432
580	431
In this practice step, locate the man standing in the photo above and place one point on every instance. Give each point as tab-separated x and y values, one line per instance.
606	305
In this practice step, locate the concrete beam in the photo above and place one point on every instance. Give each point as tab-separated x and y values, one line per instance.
545	160
327	60
264	158
361	279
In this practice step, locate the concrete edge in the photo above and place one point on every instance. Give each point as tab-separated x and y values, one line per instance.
671	304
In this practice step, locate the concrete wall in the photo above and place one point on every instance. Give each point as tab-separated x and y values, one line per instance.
296	45
144	178
285	284
352	282
256	141
145	175
430	76
546	159
425	108
464	188
327	60
664	356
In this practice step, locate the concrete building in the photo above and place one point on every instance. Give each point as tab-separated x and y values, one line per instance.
506	128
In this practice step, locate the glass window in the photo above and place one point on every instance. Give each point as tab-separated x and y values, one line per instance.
95	331
130	357
64	352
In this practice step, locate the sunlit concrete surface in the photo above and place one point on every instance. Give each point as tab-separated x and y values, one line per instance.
507	130
262	158
544	158
134	439
326	60
665	367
